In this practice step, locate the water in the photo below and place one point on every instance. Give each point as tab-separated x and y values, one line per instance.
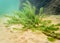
7	6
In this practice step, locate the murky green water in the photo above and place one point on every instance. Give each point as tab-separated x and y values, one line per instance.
7	6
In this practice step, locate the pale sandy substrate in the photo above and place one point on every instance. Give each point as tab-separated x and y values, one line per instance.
7	35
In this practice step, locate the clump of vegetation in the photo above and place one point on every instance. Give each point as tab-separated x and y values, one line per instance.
30	20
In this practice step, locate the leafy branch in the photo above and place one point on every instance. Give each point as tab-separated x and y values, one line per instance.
30	20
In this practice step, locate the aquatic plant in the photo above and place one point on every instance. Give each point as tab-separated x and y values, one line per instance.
30	20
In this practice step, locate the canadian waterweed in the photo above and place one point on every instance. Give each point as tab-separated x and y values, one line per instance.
30	20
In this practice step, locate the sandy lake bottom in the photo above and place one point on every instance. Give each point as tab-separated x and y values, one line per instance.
7	35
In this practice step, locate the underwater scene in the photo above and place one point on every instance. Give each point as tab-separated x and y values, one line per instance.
29	21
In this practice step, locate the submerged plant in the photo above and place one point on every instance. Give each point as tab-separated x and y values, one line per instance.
30	20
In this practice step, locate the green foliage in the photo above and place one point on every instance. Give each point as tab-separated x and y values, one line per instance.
58	24
51	39
30	20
